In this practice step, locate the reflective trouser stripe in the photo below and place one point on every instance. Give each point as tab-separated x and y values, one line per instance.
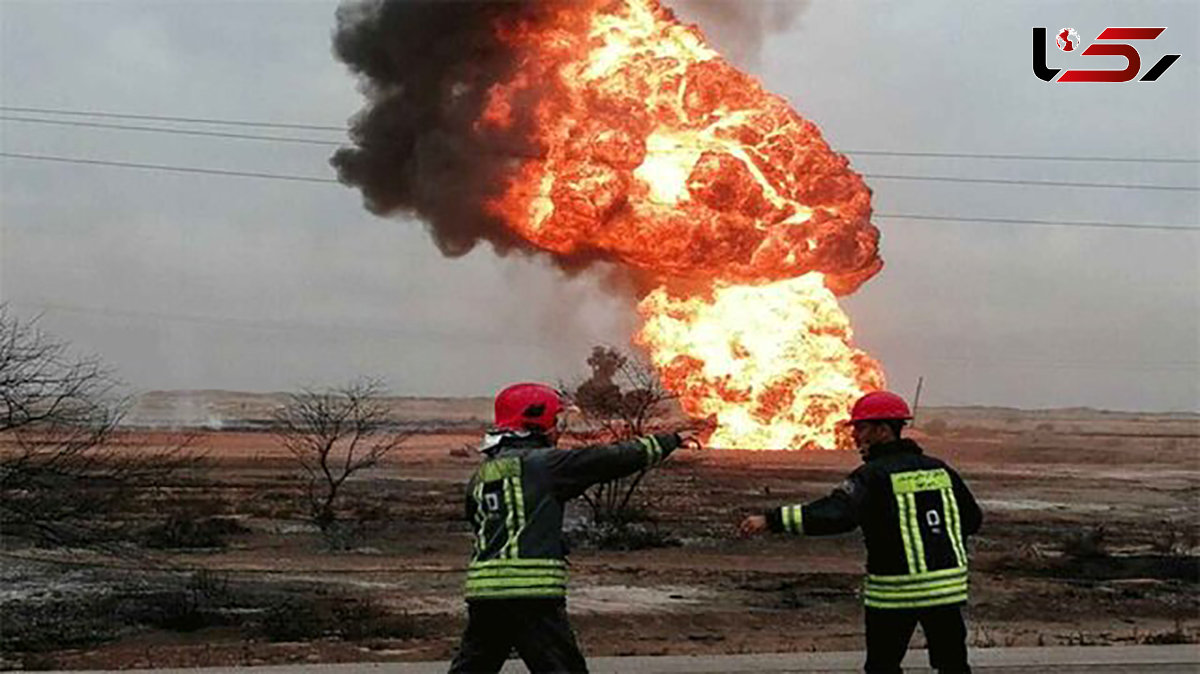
905	534
502	578
793	519
936	588
955	525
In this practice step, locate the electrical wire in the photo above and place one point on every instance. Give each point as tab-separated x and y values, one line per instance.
167	118
317	179
873	176
181	132
343	129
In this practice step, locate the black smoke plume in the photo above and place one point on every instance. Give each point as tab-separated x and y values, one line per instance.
425	67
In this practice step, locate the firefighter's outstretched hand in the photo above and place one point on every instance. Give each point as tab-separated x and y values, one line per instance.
753	525
688	439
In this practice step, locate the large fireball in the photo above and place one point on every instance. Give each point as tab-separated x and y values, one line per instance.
608	130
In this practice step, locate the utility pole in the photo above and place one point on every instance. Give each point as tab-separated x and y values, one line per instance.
917	399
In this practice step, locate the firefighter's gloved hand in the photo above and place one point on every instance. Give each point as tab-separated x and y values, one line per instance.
753	525
688	440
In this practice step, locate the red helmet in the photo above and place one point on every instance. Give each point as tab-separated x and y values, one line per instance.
524	407
879	406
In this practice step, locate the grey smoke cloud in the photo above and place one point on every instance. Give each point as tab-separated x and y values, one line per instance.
738	28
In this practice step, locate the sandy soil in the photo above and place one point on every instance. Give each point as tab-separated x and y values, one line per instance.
1089	538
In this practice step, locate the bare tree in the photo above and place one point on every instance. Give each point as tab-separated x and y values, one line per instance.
65	469
333	433
622	399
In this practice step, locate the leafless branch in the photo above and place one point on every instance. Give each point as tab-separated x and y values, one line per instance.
333	433
65	467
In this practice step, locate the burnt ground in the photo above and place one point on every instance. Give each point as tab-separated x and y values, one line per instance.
1090	538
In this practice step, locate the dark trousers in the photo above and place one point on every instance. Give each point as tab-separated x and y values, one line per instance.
537	628
889	631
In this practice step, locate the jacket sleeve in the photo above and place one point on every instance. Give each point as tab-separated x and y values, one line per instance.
837	513
572	471
470	502
969	512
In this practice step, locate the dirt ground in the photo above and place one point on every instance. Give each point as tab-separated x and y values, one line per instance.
1090	537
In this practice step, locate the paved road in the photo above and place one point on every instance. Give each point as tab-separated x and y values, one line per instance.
1059	660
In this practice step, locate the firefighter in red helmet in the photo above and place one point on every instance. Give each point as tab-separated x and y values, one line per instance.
517	577
915	513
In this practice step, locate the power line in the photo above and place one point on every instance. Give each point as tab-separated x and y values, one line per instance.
1029	157
164	167
316	179
166	118
1043	223
343	129
1040	183
327	143
181	132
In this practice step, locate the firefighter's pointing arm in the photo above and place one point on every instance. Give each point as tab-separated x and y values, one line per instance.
837	513
575	470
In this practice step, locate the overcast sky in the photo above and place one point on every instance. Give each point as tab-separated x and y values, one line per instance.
202	281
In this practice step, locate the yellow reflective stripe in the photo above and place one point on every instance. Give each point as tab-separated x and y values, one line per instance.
653	450
519	491
498	469
507	593
918	603
520	563
916	592
902	511
918	543
794	521
960	550
917	578
920	480
517	572
510	548
647	450
517	581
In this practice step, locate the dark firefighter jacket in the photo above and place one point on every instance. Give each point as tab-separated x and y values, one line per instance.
515	504
915	513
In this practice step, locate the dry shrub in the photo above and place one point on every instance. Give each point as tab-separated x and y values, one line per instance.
183	531
307	618
1175	539
935	428
1087	544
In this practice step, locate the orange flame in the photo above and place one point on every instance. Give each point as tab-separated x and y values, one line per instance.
653	151
773	364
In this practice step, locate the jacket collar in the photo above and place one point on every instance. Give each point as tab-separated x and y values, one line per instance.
498	439
901	446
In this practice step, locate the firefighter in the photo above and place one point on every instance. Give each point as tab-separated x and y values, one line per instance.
915	513
517	578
